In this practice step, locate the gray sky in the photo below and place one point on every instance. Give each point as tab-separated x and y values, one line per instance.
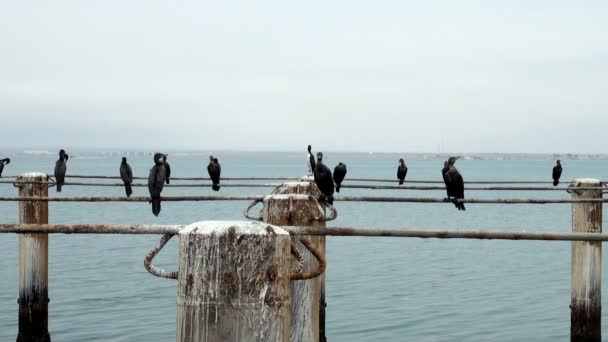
471	76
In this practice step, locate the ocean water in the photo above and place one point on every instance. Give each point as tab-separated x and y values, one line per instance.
378	289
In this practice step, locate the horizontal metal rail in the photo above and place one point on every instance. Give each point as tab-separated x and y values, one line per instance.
381	180
345	186
340	198
92	228
332	231
132	199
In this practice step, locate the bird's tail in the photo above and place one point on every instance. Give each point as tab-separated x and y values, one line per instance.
215	187
156	205
458	205
59	186
167	180
338	187
555	182
400	182
128	189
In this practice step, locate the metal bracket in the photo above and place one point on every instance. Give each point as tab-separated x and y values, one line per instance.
322	217
156	271
246	211
317	254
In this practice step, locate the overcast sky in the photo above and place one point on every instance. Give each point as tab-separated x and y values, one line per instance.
465	76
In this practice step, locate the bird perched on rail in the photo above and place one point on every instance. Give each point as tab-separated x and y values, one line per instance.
167	169
126	175
156	182
557	173
324	180
454	183
339	174
401	171
310	159
61	169
4	162
215	170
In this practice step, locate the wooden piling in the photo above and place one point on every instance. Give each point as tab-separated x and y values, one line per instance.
586	305
33	262
233	283
291	205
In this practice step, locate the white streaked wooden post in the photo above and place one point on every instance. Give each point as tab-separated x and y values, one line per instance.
233	283
586	293
297	210
307	296
33	262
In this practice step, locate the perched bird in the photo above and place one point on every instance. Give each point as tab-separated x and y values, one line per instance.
339	174
557	172
324	180
311	161
60	169
156	182
453	182
167	169
401	171
126	175
214	169
3	162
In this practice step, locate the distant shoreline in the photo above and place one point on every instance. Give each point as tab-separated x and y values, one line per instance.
106	153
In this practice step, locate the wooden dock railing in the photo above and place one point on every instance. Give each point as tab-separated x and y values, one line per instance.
240	278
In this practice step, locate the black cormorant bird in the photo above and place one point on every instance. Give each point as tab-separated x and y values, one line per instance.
167	169
401	171
324	180
214	169
557	172
454	182
339	174
3	162
311	161
156	182
60	169
126	175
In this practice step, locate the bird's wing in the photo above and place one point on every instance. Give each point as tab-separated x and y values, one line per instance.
129	173
151	178
123	173
167	169
459	185
56	172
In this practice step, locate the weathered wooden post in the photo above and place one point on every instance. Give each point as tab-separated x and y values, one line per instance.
33	261
233	283
293	205
586	293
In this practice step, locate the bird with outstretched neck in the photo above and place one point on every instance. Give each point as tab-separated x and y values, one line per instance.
401	171
61	169
454	183
156	182
310	159
324	181
4	162
214	169
167	169
126	175
557	173
339	174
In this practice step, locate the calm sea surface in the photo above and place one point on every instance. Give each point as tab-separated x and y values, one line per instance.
378	289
